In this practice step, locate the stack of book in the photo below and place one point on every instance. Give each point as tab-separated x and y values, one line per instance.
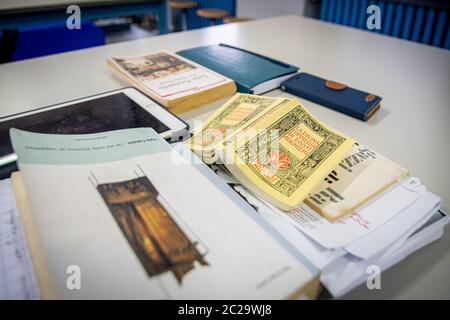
194	77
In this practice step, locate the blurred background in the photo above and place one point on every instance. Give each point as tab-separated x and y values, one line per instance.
33	28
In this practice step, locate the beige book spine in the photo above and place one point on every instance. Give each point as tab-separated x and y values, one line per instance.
40	266
196	100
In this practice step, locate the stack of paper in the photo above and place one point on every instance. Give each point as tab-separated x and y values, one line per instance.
380	233
354	212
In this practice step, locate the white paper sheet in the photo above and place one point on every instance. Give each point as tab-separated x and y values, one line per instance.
350	272
359	223
315	253
409	219
428	225
417	225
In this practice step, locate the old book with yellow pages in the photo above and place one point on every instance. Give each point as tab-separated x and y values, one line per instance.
271	145
359	177
173	81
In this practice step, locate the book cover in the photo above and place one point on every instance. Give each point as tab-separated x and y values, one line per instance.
131	213
172	80
252	72
272	146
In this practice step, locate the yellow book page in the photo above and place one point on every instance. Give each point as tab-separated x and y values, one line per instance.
237	112
284	154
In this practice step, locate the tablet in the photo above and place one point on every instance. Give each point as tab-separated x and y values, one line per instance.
114	110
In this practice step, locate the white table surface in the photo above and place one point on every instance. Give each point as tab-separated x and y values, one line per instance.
412	127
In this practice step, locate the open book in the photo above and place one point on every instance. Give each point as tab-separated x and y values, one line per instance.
271	145
173	81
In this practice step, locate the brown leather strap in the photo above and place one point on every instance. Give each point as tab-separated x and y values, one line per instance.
335	85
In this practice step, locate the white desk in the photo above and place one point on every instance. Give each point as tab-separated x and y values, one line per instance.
411	128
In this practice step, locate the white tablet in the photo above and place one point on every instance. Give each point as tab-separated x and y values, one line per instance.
114	110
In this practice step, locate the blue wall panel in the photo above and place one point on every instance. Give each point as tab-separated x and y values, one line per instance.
414	22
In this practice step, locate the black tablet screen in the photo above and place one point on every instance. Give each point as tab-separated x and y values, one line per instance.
112	112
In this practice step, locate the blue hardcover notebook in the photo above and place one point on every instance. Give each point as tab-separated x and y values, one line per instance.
340	97
253	73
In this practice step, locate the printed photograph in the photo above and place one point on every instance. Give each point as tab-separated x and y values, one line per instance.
157	240
154	66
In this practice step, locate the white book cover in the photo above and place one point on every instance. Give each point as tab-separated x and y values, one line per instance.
141	220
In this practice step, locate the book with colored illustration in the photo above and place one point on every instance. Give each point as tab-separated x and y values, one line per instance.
101	204
175	82
273	146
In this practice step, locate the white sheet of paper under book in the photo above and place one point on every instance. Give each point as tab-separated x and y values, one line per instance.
17	280
360	222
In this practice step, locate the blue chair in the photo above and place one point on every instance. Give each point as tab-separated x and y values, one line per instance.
45	40
195	22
